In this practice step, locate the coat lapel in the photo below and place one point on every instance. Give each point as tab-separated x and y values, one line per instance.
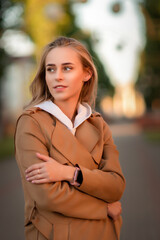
76	149
91	139
88	135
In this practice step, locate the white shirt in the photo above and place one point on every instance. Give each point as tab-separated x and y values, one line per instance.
84	111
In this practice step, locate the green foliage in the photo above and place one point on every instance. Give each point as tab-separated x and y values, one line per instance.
6	147
153	136
5	5
5	59
149	80
153	6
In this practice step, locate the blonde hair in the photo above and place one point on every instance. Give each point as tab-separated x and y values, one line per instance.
38	87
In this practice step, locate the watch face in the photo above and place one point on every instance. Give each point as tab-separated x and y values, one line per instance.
79	177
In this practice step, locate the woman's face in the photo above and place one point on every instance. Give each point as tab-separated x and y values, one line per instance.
65	74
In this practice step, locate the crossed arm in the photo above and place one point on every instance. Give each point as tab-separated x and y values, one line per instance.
52	171
55	194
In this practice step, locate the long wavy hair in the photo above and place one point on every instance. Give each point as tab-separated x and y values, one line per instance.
38	87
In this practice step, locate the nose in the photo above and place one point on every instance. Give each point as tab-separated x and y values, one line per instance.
59	75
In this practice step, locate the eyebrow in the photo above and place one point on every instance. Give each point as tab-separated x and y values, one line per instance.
67	63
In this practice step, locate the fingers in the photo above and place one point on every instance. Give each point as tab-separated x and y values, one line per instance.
37	178
40	172
115	204
34	178
43	157
38	165
34	167
34	175
40	181
36	172
37	175
114	210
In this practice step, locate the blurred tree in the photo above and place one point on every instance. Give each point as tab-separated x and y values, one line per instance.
149	79
4	5
5	58
44	20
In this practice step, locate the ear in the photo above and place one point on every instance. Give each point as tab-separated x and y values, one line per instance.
87	75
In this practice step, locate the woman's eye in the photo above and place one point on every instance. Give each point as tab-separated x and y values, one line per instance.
50	69
67	68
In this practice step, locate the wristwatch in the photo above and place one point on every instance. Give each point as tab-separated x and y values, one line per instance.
77	178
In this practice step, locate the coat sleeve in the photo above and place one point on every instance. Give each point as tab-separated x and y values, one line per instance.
59	196
107	182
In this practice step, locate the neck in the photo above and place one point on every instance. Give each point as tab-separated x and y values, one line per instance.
68	108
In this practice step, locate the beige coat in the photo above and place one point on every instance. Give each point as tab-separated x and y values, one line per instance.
59	211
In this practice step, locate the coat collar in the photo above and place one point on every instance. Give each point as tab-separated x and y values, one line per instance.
83	112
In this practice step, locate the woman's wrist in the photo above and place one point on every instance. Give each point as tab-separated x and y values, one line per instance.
69	173
73	175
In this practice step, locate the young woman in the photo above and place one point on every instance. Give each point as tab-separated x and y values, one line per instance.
68	162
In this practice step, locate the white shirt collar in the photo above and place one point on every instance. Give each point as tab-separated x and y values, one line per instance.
84	111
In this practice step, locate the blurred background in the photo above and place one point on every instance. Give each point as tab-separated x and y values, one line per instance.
123	37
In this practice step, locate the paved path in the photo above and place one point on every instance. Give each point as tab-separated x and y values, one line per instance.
11	202
140	161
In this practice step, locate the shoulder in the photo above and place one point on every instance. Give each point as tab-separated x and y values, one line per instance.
27	121
32	127
98	120
34	118
35	114
96	116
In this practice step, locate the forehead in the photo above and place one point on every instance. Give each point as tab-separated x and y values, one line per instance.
63	54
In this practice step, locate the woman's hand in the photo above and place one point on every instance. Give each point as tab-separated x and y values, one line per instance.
114	210
49	171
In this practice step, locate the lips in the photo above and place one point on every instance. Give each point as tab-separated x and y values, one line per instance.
60	86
